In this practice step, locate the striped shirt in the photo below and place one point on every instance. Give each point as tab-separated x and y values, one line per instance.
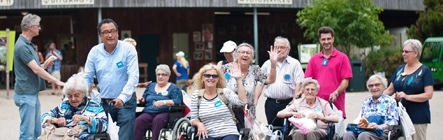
215	115
289	73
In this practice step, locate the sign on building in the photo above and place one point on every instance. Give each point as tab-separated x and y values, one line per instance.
6	2
265	2
67	2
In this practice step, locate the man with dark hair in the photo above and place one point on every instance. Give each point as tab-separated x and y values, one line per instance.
115	64
28	77
331	68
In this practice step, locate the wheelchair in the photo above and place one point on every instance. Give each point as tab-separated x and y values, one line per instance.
183	130
330	134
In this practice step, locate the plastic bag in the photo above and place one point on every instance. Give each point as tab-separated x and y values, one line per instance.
112	128
303	124
405	121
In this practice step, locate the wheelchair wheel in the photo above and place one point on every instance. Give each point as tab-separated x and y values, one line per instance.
180	129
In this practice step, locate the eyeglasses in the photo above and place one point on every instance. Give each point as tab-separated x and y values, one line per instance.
162	74
245	52
38	26
406	51
325	62
374	85
215	76
310	89
111	32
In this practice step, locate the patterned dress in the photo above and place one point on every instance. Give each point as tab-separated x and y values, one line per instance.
90	108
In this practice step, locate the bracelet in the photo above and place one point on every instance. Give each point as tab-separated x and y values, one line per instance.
164	102
273	66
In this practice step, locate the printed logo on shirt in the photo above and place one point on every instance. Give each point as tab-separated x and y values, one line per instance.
287	77
217	104
119	64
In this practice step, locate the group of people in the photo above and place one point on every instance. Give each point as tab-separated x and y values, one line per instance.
223	90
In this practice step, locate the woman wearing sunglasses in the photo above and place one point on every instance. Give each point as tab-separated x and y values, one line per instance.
209	113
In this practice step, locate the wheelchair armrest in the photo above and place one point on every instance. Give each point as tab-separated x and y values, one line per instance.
175	108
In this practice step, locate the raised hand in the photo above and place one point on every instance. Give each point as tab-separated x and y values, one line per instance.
235	71
273	54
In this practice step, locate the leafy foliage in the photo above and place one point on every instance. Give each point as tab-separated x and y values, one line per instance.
355	22
384	60
430	21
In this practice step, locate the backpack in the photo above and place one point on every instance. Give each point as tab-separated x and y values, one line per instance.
220	96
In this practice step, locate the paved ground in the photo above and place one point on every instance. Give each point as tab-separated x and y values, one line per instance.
10	120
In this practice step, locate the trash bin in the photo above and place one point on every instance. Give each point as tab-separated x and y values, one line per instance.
357	83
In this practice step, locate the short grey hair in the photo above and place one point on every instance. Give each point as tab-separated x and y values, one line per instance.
415	44
76	83
284	39
382	79
308	81
28	21
163	67
244	45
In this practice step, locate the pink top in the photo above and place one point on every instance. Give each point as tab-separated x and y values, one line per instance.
329	73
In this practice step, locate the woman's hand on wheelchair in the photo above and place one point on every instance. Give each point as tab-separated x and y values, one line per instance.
202	133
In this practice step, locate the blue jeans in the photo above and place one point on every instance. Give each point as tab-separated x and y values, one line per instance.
29	109
227	137
125	117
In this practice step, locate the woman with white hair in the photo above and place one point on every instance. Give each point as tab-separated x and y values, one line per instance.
379	111
77	110
412	84
181	69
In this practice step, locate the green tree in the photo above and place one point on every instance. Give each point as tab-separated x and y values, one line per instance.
355	22
430	21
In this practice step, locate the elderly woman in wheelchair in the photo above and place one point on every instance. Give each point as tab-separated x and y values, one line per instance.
310	114
157	98
378	113
210	111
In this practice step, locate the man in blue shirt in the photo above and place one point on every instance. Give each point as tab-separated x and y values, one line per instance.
115	64
54	70
28	78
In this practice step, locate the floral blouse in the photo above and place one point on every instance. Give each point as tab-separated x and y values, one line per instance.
254	77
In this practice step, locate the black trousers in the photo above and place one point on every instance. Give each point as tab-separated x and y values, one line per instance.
272	107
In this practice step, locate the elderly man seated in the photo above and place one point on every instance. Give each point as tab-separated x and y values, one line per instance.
378	112
78	110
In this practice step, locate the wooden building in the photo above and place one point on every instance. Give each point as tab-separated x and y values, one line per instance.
164	27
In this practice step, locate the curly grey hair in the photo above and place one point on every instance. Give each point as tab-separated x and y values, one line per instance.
382	79
415	44
28	21
163	67
75	83
308	81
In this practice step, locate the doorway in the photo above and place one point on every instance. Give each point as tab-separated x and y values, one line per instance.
149	53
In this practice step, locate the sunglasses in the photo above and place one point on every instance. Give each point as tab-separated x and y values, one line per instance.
210	75
406	51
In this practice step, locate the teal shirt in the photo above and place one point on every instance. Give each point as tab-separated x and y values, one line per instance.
26	81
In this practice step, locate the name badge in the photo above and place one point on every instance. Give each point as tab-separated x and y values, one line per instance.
119	64
287	77
217	104
227	76
382	106
318	109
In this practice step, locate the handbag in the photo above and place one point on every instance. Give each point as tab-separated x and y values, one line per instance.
405	121
62	133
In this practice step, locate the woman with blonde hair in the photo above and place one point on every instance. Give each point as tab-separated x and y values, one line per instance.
181	69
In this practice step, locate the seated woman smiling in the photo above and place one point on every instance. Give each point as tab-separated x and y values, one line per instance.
310	107
78	110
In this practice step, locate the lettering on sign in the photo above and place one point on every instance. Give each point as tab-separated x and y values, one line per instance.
6	2
67	2
265	2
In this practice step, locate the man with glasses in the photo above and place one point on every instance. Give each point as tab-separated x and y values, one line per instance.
331	68
287	82
29	77
115	64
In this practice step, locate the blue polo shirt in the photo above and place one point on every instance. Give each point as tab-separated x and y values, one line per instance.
26	81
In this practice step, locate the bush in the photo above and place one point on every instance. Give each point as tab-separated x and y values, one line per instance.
383	60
